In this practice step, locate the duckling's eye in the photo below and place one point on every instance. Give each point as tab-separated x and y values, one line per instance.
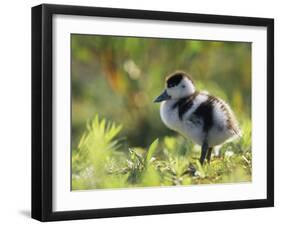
183	86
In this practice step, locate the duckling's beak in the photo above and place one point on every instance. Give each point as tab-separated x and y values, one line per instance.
162	97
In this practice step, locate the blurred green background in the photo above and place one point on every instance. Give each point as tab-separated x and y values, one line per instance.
118	139
118	78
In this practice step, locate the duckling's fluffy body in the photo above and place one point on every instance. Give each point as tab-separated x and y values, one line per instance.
205	119
191	124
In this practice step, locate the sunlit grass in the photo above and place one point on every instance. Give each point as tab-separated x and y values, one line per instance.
101	161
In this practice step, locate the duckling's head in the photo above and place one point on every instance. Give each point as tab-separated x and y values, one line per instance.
178	85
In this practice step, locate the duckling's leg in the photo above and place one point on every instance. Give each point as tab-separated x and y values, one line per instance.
209	154
204	150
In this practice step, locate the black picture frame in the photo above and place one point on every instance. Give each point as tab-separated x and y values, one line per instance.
42	107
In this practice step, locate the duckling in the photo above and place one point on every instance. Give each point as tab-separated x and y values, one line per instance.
207	120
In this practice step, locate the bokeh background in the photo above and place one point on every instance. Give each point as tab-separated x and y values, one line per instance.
118	139
118	78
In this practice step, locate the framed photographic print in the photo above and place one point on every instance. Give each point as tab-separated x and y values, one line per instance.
145	112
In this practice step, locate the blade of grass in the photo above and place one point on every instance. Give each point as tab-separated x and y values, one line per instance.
151	150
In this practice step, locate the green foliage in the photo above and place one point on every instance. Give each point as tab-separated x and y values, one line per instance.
95	149
100	161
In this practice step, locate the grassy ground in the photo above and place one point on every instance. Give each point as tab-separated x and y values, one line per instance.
103	160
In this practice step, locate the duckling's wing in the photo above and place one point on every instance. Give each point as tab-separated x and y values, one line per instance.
227	116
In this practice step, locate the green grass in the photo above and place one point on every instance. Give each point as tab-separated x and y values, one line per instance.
101	160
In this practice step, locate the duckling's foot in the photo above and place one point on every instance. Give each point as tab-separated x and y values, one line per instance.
209	154
204	150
